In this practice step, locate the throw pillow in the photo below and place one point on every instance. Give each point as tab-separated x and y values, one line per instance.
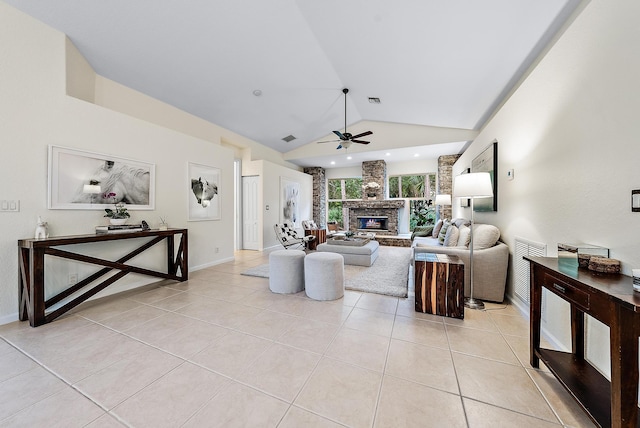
422	231
451	238
485	236
443	231
464	237
436	228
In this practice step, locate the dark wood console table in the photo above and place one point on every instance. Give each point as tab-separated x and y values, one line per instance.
609	298
31	252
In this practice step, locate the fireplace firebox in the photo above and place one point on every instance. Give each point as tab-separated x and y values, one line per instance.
374	222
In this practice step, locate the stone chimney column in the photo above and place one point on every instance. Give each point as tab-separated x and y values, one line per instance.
445	182
376	172
319	195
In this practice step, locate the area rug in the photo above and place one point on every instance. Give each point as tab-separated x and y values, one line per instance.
389	275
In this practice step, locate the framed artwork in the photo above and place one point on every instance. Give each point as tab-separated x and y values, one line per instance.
81	180
204	200
465	202
487	161
289	201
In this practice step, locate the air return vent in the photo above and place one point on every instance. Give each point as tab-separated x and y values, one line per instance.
288	138
524	247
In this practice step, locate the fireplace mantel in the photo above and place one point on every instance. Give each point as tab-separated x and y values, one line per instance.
385	203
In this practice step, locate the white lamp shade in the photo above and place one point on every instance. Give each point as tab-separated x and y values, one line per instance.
474	185
443	200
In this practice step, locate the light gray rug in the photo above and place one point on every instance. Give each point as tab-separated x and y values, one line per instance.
389	275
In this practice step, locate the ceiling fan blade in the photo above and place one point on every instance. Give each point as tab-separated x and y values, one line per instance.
328	141
364	134
339	147
340	135
360	142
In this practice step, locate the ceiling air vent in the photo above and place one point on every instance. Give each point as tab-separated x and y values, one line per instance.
374	100
289	138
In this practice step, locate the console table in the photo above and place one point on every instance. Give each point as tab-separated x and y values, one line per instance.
610	299
31	274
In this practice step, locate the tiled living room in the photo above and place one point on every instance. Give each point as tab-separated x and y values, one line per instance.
213	97
222	350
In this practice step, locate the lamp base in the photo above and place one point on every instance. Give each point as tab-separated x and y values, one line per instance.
472	303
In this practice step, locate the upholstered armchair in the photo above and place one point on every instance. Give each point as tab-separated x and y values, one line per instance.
289	237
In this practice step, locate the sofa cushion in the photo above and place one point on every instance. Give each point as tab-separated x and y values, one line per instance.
426	241
436	228
464	236
443	231
451	238
485	236
460	222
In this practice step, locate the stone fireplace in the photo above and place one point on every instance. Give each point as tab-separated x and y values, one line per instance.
381	211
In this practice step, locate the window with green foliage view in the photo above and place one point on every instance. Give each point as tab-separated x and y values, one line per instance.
420	189
338	190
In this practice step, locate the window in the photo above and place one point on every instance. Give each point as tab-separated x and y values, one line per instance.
412	186
420	189
338	190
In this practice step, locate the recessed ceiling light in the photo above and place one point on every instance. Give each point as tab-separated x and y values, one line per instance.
257	92
349	157
333	162
388	154
416	155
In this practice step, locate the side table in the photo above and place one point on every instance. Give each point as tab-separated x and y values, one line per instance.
321	237
439	284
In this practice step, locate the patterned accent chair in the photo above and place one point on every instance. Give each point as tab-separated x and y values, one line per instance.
289	237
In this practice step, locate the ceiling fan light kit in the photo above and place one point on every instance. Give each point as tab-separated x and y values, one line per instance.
346	138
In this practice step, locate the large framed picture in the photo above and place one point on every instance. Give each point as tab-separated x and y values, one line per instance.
204	200
81	180
487	161
289	201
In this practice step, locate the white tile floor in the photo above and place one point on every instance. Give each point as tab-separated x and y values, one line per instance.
222	351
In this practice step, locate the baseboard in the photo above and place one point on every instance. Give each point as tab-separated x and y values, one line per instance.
9	318
208	265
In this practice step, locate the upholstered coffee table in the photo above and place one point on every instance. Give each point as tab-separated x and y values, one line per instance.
363	255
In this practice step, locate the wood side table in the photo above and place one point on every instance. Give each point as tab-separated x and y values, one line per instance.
439	284
320	234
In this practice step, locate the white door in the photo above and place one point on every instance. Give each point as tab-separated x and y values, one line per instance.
250	213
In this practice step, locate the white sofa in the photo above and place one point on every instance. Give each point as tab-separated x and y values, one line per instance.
490	257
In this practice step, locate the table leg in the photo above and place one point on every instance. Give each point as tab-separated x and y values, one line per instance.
36	290
535	309
624	367
577	332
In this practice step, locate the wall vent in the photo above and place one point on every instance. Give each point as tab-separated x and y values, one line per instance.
289	138
525	247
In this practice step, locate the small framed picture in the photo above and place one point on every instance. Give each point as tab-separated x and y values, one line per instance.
203	192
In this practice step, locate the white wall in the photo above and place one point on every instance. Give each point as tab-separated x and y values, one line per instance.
35	112
571	134
271	175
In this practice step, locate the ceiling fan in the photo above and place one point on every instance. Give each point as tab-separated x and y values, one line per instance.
346	138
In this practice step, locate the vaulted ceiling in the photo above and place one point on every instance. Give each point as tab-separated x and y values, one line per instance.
433	64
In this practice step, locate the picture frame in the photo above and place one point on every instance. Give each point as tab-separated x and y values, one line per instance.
203	192
82	180
487	161
465	202
289	201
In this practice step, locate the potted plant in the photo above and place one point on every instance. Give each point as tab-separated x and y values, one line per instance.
119	215
348	235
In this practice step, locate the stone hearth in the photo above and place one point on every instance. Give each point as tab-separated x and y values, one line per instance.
388	208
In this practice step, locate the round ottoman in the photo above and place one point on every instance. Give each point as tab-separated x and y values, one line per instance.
324	276
286	271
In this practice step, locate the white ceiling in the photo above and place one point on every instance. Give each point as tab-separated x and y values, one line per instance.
432	63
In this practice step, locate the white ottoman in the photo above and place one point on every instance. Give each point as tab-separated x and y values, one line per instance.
286	271
363	255
324	276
